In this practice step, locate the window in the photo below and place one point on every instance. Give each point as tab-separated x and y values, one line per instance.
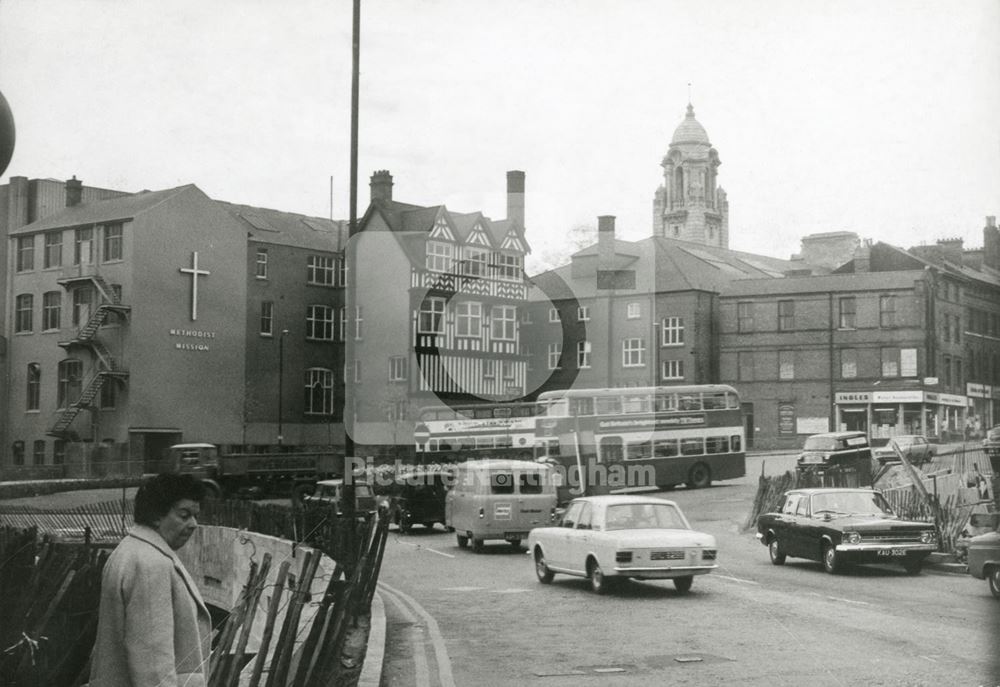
397	368
359	328
267	318
342	272
672	369
890	362
848	312
887	311
70	382
583	350
53	250
109	395
83	250
24	306
261	264
25	253
633	352
510	267
583	313
475	261
319	323
38	452
744	317
319	391
439	256
18	450
848	363
672	331
502	320
632	311
786	364
82	299
51	310
112	242
343	324
554	315
555	352
946	328
431	317
320	269
357	371
744	366
33	395
58	452
507	370
469	318
397	411
786	316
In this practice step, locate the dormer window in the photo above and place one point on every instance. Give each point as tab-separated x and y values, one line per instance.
440	256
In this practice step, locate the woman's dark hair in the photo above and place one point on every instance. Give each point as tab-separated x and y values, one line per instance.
157	495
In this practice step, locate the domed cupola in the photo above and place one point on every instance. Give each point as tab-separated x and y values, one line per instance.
690	130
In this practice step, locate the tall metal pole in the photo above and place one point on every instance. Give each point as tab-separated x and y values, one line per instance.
350	300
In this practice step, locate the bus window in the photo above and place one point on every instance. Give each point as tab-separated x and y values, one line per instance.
732	400
689	402
610	450
637	404
716	445
736	443
665	448
531	482
484	442
547	447
501	483
582	406
501	412
504	441
664	402
481	413
640	450
609	405
557	407
692	446
714	401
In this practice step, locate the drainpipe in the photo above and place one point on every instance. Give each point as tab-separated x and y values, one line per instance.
830	352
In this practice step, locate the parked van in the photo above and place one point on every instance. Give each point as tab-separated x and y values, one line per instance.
498	499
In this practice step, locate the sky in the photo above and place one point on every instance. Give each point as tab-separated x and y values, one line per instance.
879	118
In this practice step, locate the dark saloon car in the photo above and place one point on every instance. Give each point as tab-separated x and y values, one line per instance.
417	497
834	449
839	527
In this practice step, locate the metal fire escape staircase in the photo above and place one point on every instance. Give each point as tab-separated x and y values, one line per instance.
107	366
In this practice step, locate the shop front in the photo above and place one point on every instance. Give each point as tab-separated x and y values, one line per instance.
888	413
984	409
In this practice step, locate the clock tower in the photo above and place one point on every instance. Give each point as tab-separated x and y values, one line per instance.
689	205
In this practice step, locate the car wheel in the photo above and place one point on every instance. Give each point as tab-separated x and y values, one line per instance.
541	570
515	543
993	578
831	561
598	582
913	566
699	476
683	584
477	545
448	528
404	522
462	540
428	525
775	552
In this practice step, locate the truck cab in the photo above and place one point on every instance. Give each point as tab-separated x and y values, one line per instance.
199	460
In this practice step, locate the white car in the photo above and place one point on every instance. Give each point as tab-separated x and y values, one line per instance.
614	537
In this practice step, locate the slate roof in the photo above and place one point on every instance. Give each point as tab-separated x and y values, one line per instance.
289	228
111	210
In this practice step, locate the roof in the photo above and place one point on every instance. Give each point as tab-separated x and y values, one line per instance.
289	228
623	499
110	210
860	281
690	130
501	464
828	490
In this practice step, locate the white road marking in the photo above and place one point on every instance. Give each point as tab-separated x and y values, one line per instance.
736	579
437	640
841	600
427	548
510	591
460	589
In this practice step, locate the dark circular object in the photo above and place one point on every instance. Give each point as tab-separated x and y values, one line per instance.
6	134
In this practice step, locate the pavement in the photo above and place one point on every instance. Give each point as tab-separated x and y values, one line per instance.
371	671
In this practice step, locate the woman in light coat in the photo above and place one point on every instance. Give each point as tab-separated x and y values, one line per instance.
153	627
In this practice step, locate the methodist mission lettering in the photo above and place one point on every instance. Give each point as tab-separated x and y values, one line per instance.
201	344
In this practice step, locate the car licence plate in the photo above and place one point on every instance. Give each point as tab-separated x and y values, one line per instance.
893	553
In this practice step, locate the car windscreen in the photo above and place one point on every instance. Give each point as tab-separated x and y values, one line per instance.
820	444
637	516
850	503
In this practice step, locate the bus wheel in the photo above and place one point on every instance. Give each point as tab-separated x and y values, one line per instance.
477	545
699	476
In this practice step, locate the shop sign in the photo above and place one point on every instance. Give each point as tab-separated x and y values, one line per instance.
786	418
951	400
930	397
852	397
978	390
898	397
930	381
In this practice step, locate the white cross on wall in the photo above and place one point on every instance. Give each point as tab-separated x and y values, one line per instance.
195	273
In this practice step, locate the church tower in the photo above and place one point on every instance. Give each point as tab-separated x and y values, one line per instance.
690	206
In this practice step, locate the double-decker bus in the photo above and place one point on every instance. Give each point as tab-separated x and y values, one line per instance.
446	434
662	435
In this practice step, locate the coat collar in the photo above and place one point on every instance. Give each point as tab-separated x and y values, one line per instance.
150	536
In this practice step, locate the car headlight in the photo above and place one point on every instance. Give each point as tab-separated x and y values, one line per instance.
928	537
623	556
851	538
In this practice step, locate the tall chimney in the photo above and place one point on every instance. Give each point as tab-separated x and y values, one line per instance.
515	196
74	192
952	249
606	242
381	185
991	243
18	203
863	256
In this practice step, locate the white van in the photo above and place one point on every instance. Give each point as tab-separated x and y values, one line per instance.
498	499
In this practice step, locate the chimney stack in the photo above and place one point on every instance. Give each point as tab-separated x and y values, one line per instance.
952	249
381	185
515	196
606	242
74	192
18	203
991	243
863	257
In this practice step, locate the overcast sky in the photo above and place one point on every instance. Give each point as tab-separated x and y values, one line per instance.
874	117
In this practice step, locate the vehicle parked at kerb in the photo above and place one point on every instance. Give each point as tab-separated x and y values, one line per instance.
915	447
984	554
833	449
839	527
991	443
614	537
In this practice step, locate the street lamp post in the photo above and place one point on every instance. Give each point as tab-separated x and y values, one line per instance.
281	383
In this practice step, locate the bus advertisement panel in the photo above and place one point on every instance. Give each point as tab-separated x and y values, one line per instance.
643	436
485	430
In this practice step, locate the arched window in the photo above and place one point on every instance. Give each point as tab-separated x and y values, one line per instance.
318	391
34	391
679	186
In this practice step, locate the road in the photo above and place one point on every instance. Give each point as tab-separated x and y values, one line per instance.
458	618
